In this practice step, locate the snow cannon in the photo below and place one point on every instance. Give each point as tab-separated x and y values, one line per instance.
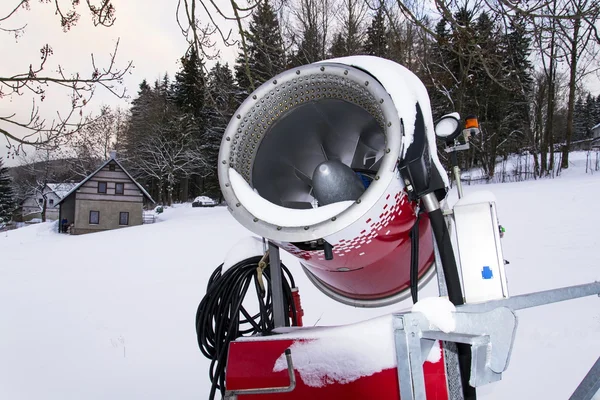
335	163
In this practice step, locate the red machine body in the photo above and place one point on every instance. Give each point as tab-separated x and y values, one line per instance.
373	263
250	366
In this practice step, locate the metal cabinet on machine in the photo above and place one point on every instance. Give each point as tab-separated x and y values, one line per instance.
479	248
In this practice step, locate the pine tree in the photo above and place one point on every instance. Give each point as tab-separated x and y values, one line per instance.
7	197
518	85
516	56
591	114
189	86
264	49
579	123
310	49
377	36
483	95
338	47
189	95
223	101
596	114
138	121
161	143
440	75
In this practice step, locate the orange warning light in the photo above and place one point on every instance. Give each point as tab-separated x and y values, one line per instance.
471	122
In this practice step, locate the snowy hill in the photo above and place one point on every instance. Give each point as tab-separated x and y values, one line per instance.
111	315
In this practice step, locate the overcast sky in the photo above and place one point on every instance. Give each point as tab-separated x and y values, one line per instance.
148	33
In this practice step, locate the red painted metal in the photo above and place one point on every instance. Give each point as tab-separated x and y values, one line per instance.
250	366
375	262
385	276
297	306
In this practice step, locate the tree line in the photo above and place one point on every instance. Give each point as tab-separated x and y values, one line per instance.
521	71
473	60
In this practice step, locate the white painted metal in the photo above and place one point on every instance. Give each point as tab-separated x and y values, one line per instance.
480	251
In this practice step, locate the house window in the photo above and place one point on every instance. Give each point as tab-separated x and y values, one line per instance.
101	187
111	167
41	201
94	217
51	202
123	218
119	188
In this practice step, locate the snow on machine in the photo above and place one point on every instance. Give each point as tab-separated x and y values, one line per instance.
336	163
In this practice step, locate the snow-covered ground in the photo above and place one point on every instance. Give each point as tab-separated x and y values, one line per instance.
520	167
111	315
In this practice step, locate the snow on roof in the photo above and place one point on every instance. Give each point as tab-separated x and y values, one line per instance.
61	189
144	192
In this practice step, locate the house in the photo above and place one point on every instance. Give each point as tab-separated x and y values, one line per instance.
596	136
32	206
109	198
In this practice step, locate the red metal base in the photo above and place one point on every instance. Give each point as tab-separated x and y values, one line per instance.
250	366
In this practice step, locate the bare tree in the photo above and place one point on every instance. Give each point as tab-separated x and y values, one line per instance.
577	44
199	36
166	158
36	171
33	129
309	31
351	16
84	150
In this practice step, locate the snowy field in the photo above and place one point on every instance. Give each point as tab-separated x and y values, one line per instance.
111	315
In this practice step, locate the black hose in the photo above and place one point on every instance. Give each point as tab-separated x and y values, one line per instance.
414	260
221	317
442	238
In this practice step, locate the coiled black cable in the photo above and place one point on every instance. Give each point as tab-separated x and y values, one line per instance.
221	316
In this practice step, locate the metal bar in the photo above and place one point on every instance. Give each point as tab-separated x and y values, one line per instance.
276	286
438	269
430	202
456	172
535	299
590	385
281	389
453	284
408	358
453	379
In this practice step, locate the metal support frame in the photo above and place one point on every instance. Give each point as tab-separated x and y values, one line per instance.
590	385
453	377
489	328
276	286
536	299
490	334
455	168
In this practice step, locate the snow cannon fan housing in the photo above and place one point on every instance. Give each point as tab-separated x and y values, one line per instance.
312	161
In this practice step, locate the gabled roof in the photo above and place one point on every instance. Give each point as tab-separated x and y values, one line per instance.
596	126
61	189
144	192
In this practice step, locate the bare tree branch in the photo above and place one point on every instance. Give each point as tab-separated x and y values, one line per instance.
35	130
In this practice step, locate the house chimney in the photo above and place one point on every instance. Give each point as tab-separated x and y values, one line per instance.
113	154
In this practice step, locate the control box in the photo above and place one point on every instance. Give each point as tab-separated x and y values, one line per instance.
478	235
